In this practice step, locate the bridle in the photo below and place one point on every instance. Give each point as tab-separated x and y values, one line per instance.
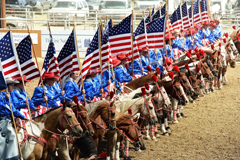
208	73
186	87
79	115
109	114
190	79
174	89
63	115
146	106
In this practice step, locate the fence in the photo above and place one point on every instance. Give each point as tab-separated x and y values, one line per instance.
87	20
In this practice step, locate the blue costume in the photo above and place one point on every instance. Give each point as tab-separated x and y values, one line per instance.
177	44
212	38
137	67
156	60
167	52
71	89
204	34
52	92
121	74
145	63
97	79
5	108
218	31
190	44
198	39
19	99
105	79
91	88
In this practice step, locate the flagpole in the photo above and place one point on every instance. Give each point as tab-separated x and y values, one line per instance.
209	11
20	70
37	66
150	13
80	66
164	42
200	10
181	13
168	31
192	14
112	21
100	51
15	127
147	47
60	79
132	48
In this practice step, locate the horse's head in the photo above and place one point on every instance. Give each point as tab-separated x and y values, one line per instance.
148	110
185	83
130	127
161	94
69	121
84	120
230	57
200	81
178	91
194	83
107	110
211	67
205	70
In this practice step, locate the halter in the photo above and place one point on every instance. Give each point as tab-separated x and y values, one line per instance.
190	79
63	115
205	68
186	87
146	106
79	115
109	114
174	89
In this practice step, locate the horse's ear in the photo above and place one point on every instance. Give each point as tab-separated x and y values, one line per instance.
112	103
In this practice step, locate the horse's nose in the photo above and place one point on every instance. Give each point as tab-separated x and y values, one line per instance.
92	133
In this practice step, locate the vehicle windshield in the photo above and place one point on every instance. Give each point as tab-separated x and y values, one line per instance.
11	2
61	4
92	1
114	5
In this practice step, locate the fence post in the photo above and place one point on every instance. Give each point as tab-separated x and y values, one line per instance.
85	20
65	24
33	25
96	22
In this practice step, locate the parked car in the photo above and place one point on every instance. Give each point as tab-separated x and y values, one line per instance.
16	5
236	7
69	10
93	4
119	9
16	22
40	4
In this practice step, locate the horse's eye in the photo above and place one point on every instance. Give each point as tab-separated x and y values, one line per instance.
69	116
150	107
184	81
112	114
84	118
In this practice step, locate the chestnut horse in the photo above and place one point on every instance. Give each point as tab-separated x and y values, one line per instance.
41	129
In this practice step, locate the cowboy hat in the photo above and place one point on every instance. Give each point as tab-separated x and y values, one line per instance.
197	26
9	80
191	31
213	24
115	61
167	37
205	23
50	75
93	71
121	56
175	31
24	79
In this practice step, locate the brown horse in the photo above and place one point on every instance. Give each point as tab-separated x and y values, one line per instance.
44	126
102	114
192	77
82	117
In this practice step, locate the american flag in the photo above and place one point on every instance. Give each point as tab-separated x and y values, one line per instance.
155	33
120	36
28	66
156	15
204	10
68	58
176	19
163	10
50	63
8	57
140	35
148	19
185	18
197	18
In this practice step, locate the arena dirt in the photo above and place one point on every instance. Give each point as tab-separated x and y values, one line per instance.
210	131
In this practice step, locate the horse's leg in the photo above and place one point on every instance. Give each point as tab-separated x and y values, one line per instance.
219	78
206	86
224	75
147	137
161	122
153	133
166	122
117	155
111	143
174	108
127	157
190	99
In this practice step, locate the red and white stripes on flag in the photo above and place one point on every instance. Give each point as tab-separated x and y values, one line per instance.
28	66
170	27
8	57
185	18
176	19
68	58
204	10
140	35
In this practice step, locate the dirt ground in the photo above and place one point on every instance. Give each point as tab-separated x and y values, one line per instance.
210	130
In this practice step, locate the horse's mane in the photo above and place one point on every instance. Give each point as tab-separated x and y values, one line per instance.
53	109
92	107
149	76
87	146
122	106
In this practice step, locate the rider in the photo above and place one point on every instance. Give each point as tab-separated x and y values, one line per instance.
120	70
138	70
204	33
145	60
191	39
176	45
218	29
156	59
19	97
8	139
197	28
213	34
71	88
53	96
91	86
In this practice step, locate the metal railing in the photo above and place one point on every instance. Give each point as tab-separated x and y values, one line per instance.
89	19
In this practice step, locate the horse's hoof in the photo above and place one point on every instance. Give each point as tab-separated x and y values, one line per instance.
220	88
166	134
137	149
202	95
178	116
157	134
224	83
127	158
143	148
168	129
147	138
175	122
154	139
183	115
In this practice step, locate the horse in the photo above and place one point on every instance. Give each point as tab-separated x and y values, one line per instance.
192	77
128	130
40	130
82	117
102	114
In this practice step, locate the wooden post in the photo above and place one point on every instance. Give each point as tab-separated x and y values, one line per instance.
150	13
100	51
37	66
4	24
164	41
15	128
112	21
60	79
80	66
192	14
200	10
147	48
132	48
169	32
181	13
